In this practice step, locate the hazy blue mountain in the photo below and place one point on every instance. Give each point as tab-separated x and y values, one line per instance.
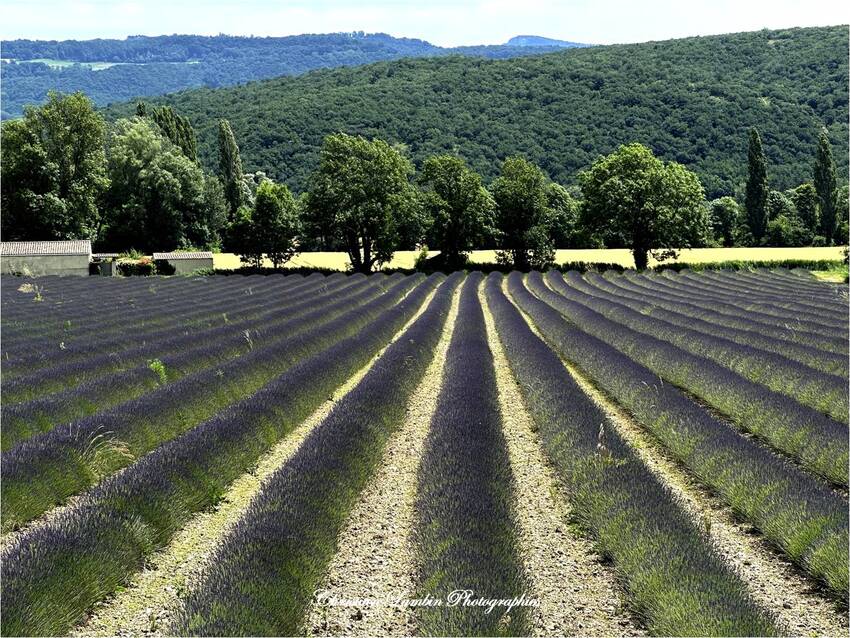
140	66
540	41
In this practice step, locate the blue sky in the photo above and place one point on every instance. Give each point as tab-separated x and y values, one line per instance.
443	22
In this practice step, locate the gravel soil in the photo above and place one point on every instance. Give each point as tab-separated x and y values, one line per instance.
153	596
578	594
375	560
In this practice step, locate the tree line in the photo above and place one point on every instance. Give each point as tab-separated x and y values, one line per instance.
137	183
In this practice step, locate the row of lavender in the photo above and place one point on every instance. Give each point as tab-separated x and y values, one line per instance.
46	469
466	532
762	362
263	575
110	329
675	579
53	307
710	369
54	572
289	533
729	303
686	309
797	512
108	378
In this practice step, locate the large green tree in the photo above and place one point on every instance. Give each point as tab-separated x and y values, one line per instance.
158	199
565	210
459	210
826	187
805	199
230	167
523	215
361	197
725	218
659	207
757	189
53	171
241	237
276	225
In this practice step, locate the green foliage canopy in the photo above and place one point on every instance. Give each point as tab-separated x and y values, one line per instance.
757	189
458	208
230	167
158	198
523	216
725	218
53	171
361	196
276	222
826	187
658	206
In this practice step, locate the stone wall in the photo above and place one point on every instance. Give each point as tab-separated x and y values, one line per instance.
37	265
188	266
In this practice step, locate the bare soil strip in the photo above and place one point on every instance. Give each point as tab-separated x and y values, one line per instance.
773	582
153	595
578	595
374	560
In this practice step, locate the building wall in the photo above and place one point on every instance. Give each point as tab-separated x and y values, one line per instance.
46	265
188	266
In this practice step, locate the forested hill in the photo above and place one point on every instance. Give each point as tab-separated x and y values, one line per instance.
691	100
115	70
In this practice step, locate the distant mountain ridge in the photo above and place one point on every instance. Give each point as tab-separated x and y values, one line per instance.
110	70
540	41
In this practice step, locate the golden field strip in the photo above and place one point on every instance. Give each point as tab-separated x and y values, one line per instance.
621	256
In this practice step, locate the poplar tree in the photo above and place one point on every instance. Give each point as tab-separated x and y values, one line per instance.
757	190
178	130
230	166
824	180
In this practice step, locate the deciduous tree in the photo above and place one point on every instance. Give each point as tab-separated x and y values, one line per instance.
361	196
275	221
458	209
523	215
658	206
805	199
53	171
725	217
158	198
565	210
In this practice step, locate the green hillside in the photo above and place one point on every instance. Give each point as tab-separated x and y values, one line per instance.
691	100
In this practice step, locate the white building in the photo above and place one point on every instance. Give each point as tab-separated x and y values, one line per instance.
37	258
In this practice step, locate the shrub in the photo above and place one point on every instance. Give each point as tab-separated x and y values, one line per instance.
143	267
163	267
158	368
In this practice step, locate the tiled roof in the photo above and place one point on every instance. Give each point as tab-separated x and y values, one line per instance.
31	248
183	255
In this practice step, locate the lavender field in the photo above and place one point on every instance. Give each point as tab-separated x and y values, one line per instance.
596	454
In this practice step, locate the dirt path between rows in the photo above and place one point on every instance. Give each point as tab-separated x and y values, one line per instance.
375	560
773	582
578	595
153	596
